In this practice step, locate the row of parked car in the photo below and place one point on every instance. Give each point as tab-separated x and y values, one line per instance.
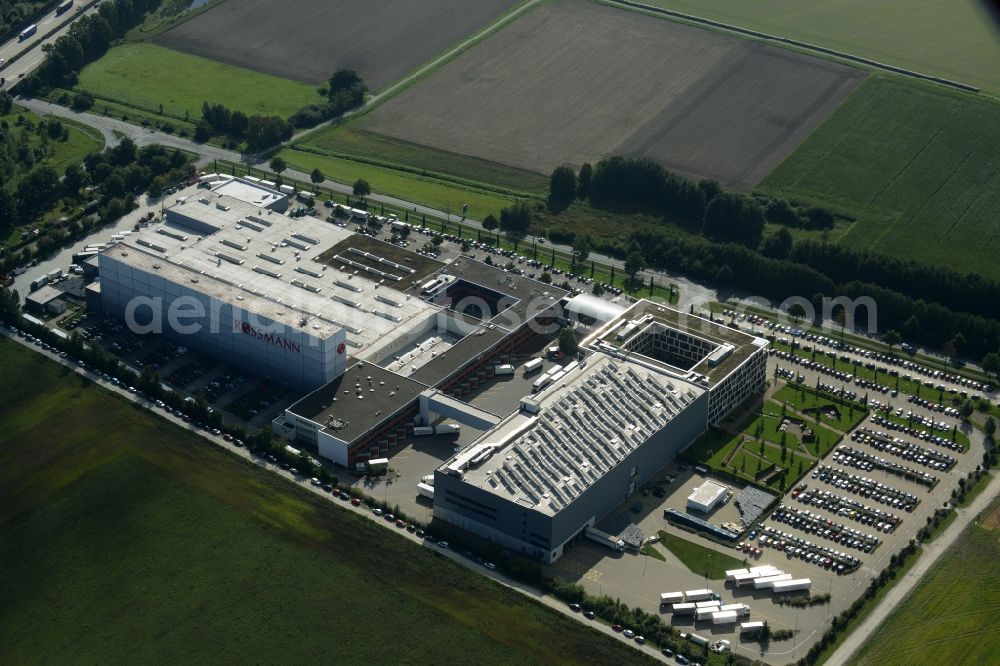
813	523
866	487
796	546
909	451
846	507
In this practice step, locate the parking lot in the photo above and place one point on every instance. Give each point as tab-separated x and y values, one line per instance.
862	503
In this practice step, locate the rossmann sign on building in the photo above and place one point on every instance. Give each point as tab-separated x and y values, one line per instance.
267	337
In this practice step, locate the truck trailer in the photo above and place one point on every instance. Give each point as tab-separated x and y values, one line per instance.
504	370
797	585
732	573
605	539
751	627
699	595
532	365
671	598
426	490
711	603
683	609
742	610
705	613
767	582
724	617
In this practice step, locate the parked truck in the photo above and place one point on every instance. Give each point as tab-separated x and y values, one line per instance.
683	609
699	595
532	365
377	466
741	610
702	614
724	617
796	585
426	490
732	573
671	598
605	539
767	582
504	370
27	32
751	627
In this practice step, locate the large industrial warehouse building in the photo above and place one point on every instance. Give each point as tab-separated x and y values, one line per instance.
380	340
651	381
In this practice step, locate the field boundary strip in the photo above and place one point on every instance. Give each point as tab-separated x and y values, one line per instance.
794	42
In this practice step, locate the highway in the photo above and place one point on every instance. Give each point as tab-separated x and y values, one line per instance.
32	54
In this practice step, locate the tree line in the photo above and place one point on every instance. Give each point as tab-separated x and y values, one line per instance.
110	179
932	305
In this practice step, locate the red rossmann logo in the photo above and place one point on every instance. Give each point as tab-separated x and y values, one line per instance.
341	348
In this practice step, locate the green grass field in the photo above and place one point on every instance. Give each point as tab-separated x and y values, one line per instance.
915	164
950	617
954	40
699	559
125	538
439	194
146	76
352	140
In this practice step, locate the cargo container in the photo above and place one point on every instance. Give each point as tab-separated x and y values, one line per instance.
751	627
447	429
532	365
731	574
724	617
699	595
767	582
503	370
425	490
671	598
797	585
745	579
683	609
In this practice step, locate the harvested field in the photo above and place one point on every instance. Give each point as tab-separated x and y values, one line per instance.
307	40
701	103
955	40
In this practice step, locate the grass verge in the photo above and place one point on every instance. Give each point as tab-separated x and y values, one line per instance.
699	559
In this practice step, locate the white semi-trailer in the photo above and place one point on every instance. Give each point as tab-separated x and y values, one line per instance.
796	585
741	610
532	365
711	603
425	490
605	539
732	573
699	595
671	598
503	370
724	617
751	627
683	609
705	613
768	582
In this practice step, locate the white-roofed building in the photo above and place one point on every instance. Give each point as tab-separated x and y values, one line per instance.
707	497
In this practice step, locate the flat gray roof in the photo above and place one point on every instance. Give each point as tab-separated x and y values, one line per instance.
268	263
357	401
249	192
531	294
586	424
